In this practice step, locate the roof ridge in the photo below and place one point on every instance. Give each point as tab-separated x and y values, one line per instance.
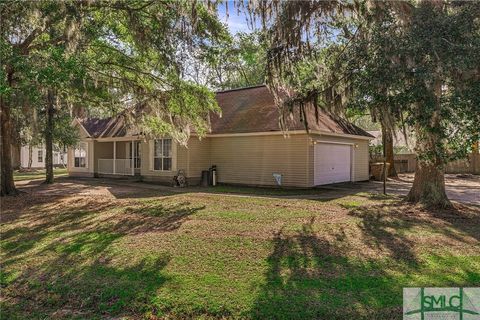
241	88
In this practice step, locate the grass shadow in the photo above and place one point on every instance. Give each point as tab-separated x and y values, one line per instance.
67	264
320	275
67	287
309	277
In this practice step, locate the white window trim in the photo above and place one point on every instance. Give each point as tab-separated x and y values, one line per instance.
78	146
162	157
173	156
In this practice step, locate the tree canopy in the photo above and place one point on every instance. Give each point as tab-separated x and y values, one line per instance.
414	61
408	62
107	56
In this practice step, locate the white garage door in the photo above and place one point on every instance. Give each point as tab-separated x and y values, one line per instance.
332	163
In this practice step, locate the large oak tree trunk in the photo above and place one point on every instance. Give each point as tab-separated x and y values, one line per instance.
387	140
429	185
429	182
7	184
49	137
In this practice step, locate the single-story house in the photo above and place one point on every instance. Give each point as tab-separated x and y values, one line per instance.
246	144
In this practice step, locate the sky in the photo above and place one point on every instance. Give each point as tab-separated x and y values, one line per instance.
236	21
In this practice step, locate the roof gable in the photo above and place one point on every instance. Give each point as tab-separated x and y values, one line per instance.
83	132
95	126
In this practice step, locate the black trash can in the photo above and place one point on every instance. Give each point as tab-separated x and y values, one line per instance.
205	178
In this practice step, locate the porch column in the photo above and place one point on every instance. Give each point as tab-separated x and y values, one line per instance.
133	158
114	156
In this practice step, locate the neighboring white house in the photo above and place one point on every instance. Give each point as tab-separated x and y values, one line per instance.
38	157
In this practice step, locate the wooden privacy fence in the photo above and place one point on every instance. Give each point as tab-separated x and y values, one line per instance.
407	162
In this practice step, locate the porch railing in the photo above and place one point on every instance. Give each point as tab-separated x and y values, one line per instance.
115	166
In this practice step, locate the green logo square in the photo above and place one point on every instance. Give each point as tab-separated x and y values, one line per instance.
441	303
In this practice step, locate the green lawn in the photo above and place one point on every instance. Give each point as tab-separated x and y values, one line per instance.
222	256
38	174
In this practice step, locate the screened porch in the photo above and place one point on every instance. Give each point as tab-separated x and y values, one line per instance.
118	157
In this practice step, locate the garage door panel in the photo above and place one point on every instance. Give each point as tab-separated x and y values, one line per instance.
332	163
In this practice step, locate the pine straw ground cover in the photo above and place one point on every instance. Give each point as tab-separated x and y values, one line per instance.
90	252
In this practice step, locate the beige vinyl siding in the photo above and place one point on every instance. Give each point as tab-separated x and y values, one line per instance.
199	156
362	161
145	153
102	150
182	158
146	170
192	159
359	159
121	149
253	159
88	169
243	159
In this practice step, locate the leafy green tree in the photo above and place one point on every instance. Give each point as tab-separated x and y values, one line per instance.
423	66
109	55
234	63
398	59
241	63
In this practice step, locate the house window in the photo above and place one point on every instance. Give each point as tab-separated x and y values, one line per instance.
40	156
162	155
136	154
80	155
